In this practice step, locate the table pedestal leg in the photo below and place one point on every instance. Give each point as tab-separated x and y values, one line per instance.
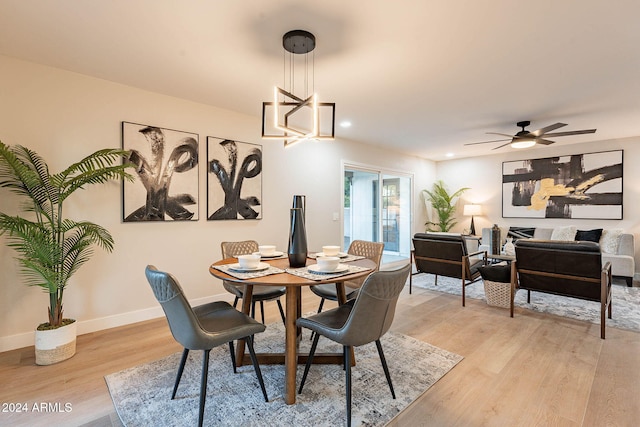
291	344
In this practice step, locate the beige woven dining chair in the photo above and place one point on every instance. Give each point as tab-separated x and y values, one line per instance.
260	293
370	250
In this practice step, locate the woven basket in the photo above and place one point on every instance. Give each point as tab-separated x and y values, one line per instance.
498	294
55	345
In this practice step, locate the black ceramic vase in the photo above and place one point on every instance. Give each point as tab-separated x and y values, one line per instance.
300	201
297	251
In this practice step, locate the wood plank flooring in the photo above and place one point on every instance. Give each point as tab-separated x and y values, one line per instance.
532	370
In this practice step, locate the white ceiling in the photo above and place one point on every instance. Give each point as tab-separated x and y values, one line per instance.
418	76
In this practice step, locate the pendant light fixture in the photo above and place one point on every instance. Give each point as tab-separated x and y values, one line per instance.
292	117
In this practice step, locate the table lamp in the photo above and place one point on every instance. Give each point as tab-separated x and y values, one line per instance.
471	210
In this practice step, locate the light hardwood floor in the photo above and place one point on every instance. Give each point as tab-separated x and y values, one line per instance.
532	370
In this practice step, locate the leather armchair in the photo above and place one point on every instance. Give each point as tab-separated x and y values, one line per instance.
569	268
446	255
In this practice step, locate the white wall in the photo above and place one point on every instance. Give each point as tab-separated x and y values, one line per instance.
485	176
65	116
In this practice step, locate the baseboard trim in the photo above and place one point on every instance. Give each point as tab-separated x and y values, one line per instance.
13	342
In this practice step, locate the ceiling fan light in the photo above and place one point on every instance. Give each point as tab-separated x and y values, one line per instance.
523	143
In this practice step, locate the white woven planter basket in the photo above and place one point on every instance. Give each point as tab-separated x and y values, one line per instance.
56	345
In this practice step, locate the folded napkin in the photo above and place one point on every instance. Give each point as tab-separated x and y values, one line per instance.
304	272
226	268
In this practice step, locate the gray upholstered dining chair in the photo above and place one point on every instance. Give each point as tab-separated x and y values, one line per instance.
202	328
370	250
361	321
260	293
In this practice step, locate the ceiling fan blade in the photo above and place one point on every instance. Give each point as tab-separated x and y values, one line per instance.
544	141
486	142
546	129
497	133
572	132
503	145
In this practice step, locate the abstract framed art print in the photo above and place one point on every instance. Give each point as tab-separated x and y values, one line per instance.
579	186
166	165
234	179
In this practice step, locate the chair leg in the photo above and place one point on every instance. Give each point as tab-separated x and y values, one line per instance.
281	310
256	366
344	355
235	302
203	385
384	367
309	361
262	310
183	360
347	364
253	309
233	356
313	334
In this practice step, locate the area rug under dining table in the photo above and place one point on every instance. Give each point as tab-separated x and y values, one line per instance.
141	394
625	301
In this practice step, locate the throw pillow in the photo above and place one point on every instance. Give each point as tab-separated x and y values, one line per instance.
564	233
520	232
609	240
589	235
496	273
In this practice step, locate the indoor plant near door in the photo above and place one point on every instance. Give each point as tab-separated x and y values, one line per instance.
50	246
444	204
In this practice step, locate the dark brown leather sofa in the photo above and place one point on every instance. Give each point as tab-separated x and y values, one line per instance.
572	269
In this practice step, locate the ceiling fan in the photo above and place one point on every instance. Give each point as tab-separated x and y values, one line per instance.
525	139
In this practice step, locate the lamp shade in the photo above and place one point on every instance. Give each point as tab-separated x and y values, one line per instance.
471	210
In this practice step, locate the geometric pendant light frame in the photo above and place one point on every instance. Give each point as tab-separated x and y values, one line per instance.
293	118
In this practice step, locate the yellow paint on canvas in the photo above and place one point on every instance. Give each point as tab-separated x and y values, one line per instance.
547	189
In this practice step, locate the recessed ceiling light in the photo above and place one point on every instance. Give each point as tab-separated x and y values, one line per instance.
450	154
345	124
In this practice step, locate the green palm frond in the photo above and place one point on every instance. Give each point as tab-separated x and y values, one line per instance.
51	248
444	204
96	168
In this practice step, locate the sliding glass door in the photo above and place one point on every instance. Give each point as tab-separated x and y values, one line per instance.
377	207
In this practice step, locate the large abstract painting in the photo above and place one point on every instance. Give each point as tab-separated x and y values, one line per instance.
234	179
585	186
166	164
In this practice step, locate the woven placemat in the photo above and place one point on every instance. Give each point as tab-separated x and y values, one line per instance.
348	258
226	268
305	273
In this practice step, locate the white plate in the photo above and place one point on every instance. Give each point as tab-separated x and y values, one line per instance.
315	268
237	267
340	254
276	254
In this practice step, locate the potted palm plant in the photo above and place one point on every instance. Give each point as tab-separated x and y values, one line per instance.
50	246
444	204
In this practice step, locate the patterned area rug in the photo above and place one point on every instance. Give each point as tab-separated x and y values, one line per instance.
141	395
626	301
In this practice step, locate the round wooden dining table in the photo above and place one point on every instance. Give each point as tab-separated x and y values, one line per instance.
293	297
